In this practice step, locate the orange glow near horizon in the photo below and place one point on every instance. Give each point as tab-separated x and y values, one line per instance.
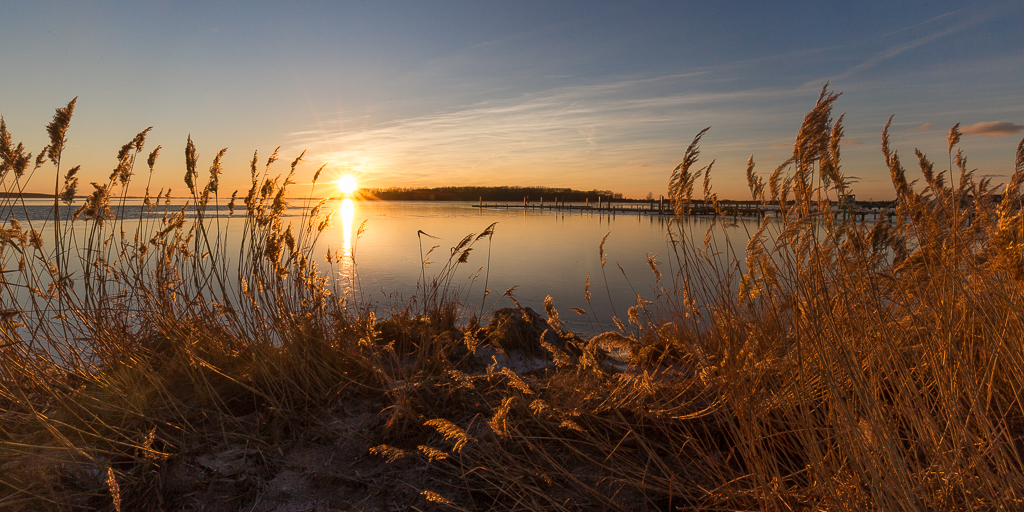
347	185
348	217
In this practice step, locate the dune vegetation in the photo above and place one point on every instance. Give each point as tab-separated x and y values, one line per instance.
835	365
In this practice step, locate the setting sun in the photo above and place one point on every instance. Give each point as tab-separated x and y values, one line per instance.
347	184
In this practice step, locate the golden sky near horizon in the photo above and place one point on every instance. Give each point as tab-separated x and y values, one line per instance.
585	95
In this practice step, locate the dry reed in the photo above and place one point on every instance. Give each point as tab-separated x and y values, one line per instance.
832	365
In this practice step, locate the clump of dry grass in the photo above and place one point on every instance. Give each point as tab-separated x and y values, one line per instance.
832	364
864	364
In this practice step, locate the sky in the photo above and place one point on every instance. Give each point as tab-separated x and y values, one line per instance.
580	94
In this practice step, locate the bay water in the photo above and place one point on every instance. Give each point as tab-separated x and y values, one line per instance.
388	248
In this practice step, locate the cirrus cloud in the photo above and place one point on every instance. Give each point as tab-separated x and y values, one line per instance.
994	128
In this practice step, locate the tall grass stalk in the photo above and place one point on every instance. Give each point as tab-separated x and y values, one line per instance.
827	363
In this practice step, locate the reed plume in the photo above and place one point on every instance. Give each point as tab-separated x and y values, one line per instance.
817	362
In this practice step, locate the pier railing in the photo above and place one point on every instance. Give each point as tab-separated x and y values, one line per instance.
856	209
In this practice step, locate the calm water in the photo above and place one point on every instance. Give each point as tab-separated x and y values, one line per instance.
539	253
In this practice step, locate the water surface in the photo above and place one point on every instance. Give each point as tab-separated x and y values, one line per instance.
536	253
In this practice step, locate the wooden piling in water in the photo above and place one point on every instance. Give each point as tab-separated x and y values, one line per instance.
735	209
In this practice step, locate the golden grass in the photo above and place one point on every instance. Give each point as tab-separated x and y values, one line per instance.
834	365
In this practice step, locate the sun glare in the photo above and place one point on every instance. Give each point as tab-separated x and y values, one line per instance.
347	185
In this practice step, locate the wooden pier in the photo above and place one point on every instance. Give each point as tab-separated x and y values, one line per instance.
857	209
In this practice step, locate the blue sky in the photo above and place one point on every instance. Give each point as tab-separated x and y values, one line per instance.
565	94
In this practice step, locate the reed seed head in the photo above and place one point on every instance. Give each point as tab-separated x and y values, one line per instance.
191	157
12	157
954	137
215	171
151	161
57	130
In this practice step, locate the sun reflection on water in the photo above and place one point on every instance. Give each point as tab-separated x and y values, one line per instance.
348	217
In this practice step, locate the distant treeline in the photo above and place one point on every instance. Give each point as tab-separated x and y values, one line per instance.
26	195
487	194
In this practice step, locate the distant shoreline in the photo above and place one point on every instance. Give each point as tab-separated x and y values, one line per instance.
26	195
504	193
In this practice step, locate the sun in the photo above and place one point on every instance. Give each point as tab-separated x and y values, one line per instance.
347	184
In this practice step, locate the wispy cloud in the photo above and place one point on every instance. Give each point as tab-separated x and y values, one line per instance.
994	128
572	136
925	127
898	49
